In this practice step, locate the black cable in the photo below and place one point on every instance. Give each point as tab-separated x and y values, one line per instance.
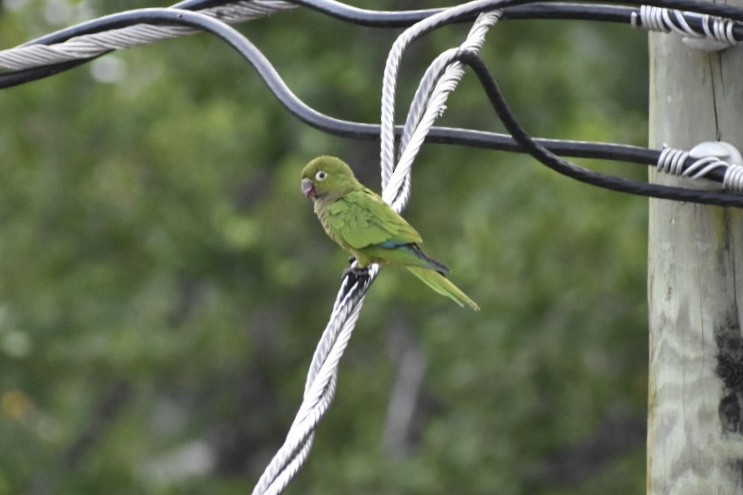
329	7
571	170
520	9
355	130
536	9
437	135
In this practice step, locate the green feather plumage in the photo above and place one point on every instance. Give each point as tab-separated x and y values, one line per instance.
359	221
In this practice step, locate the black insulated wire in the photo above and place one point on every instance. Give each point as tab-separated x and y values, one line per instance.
307	114
544	150
551	160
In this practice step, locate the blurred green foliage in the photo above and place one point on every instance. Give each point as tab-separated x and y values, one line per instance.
163	282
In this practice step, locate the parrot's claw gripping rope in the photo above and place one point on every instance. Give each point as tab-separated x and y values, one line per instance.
356	274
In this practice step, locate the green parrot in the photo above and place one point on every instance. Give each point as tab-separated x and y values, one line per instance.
359	221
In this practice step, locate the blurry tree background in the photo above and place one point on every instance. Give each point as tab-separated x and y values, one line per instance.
163	282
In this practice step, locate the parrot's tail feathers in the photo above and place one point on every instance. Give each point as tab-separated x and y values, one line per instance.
406	254
443	286
434	264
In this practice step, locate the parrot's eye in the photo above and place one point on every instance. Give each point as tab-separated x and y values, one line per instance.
321	175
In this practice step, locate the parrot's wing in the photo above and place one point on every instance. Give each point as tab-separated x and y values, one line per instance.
361	218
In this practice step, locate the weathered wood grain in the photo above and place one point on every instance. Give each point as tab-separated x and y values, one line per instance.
695	283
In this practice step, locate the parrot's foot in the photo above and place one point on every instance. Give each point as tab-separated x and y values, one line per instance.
356	274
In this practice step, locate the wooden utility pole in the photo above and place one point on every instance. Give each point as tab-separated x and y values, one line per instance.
695	277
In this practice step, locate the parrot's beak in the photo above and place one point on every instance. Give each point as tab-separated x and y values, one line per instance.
308	188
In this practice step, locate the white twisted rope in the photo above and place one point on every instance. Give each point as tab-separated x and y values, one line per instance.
31	55
440	80
717	30
389	82
319	391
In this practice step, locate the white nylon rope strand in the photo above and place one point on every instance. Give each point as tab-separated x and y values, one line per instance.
387	135
319	392
454	72
322	375
81	47
445	73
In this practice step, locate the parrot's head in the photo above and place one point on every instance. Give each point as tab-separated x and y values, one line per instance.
327	178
